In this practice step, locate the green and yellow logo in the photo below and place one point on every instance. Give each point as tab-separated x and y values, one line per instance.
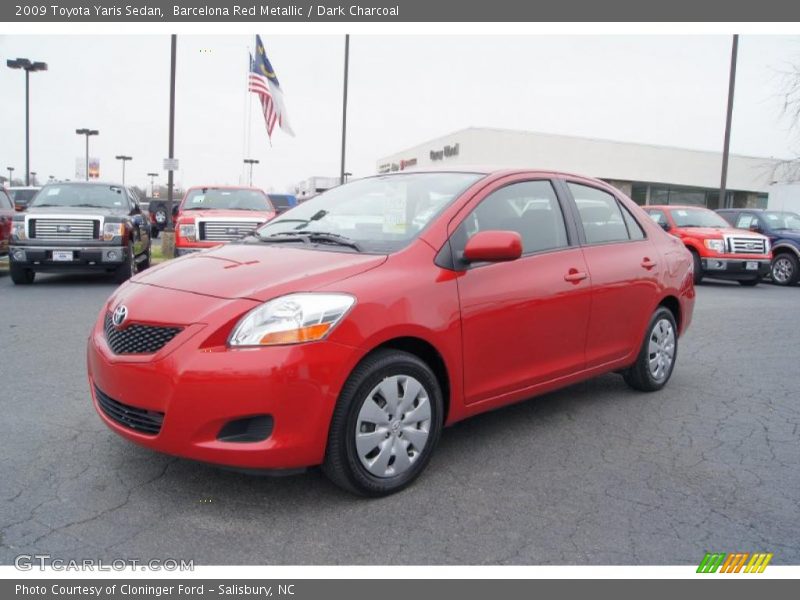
735	562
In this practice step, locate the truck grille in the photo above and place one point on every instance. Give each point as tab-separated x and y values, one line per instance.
745	245
138	339
64	229
138	419
225	231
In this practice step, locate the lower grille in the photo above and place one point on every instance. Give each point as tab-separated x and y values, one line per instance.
225	231
743	245
138	339
144	421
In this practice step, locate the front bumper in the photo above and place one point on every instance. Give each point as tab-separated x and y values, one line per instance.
735	268
40	257
201	389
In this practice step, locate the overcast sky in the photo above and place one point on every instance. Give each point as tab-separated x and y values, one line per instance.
404	90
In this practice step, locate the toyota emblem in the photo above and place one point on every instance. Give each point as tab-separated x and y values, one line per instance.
119	316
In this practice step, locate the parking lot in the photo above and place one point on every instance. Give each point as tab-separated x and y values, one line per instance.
594	474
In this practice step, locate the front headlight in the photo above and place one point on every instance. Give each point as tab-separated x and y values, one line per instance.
112	230
715	245
291	319
187	230
18	230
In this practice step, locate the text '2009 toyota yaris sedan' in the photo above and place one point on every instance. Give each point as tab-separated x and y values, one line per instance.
348	331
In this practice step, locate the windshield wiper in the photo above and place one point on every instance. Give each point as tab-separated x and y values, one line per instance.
333	238
85	205
283	236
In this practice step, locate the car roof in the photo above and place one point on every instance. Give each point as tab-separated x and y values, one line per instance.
92	183
23	187
492	170
670	206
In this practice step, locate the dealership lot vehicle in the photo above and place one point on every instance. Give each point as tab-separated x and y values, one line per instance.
210	216
782	229
374	337
718	250
22	195
6	215
282	202
80	227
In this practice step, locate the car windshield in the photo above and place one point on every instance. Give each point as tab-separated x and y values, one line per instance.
22	196
697	217
226	199
782	220
77	194
377	214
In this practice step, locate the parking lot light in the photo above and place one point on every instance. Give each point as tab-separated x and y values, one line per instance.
30	67
124	159
88	133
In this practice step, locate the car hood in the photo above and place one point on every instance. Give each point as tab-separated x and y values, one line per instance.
77	211
717	232
259	272
261	215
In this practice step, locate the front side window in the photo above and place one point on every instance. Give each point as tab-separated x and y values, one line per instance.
81	195
530	208
226	199
376	214
600	215
658	217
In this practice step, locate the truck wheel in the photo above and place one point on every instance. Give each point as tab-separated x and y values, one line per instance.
785	269
21	275
145	264
385	425
698	267
126	270
750	282
656	359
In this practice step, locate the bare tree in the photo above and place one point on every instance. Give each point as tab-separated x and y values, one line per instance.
789	169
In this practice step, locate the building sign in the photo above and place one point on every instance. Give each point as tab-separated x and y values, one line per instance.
446	152
398	166
171	164
80	168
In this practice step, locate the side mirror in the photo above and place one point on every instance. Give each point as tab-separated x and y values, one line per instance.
754	226
665	226
493	246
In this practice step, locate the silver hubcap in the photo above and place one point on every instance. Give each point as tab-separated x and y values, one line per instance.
661	350
782	270
393	426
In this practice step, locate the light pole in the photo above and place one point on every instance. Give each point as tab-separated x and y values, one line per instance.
10	175
33	177
152	185
124	159
30	67
88	133
251	162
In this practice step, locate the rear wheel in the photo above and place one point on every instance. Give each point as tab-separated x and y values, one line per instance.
785	269
386	424
656	359
21	275
698	267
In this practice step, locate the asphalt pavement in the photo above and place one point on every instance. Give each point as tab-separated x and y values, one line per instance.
594	474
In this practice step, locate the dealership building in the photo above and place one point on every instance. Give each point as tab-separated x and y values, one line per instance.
647	173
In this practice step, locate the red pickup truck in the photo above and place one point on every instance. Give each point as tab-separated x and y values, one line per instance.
719	251
212	215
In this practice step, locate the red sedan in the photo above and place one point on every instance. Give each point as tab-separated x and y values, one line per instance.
350	330
210	216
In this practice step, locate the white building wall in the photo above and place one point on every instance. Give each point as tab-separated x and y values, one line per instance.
604	159
785	196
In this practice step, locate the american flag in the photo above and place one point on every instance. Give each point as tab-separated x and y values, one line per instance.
264	82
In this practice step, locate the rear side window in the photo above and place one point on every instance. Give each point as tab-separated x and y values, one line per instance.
600	215
530	208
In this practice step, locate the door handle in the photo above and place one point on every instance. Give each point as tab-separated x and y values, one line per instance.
648	264
575	276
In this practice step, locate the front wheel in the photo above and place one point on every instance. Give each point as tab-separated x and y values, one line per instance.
785	269
21	275
656	359
128	268
386	424
698	267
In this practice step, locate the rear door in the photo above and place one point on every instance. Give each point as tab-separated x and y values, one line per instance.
523	322
624	267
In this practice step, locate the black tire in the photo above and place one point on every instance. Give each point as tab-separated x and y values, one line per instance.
750	282
639	375
128	267
698	267
159	211
789	266
145	263
154	231
342	464
21	275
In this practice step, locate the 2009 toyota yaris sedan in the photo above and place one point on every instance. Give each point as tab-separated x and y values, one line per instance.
348	331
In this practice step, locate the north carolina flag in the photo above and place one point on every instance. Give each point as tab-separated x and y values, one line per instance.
264	82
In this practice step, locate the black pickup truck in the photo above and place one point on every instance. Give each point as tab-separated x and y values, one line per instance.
78	226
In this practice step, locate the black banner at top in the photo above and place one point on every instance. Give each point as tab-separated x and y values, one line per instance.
149	11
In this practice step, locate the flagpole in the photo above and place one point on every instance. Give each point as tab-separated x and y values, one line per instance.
344	104
245	112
